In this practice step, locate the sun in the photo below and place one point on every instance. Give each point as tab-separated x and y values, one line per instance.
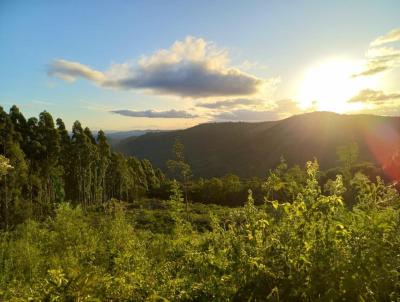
329	85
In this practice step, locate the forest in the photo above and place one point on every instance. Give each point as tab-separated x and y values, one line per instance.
82	222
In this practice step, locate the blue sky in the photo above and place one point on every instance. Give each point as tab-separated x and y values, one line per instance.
112	64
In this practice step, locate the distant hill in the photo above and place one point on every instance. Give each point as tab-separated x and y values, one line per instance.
114	137
250	149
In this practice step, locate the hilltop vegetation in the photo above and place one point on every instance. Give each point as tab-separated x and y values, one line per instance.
82	223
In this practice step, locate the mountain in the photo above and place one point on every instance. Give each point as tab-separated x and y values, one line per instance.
114	137
250	149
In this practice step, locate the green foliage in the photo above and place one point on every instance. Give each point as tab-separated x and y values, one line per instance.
347	155
312	248
4	165
178	165
176	199
50	166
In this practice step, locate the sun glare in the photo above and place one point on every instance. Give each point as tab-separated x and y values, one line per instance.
329	85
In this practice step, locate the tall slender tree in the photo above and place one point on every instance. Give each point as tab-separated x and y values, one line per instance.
180	168
104	160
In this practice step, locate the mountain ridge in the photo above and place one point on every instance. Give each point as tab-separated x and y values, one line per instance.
250	149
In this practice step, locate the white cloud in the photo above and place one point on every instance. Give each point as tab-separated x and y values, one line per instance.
378	102
280	110
231	104
384	58
70	71
247	115
156	114
192	68
392	36
374	97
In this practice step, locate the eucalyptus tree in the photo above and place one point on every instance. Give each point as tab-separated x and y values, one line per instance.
13	183
65	159
51	170
19	123
78	142
119	178
51	165
91	169
139	179
104	159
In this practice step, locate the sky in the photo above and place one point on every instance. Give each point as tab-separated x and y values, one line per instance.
124	65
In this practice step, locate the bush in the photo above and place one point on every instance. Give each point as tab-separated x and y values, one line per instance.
313	248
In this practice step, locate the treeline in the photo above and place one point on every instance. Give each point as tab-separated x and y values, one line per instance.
281	183
50	165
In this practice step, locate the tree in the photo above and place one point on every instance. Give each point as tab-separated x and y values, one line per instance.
104	160
176	199
20	124
12	185
119	178
51	171
179	167
50	165
65	158
347	157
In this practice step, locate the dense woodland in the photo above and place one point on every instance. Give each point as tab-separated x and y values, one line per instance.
51	165
80	222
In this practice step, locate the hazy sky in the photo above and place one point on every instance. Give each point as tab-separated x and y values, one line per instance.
121	65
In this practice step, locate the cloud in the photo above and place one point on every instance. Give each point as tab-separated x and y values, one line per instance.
247	115
282	109
230	104
193	68
190	79
383	52
378	102
155	114
392	36
70	71
372	69
380	59
373	97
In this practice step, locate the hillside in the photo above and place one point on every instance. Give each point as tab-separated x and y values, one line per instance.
250	149
115	137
